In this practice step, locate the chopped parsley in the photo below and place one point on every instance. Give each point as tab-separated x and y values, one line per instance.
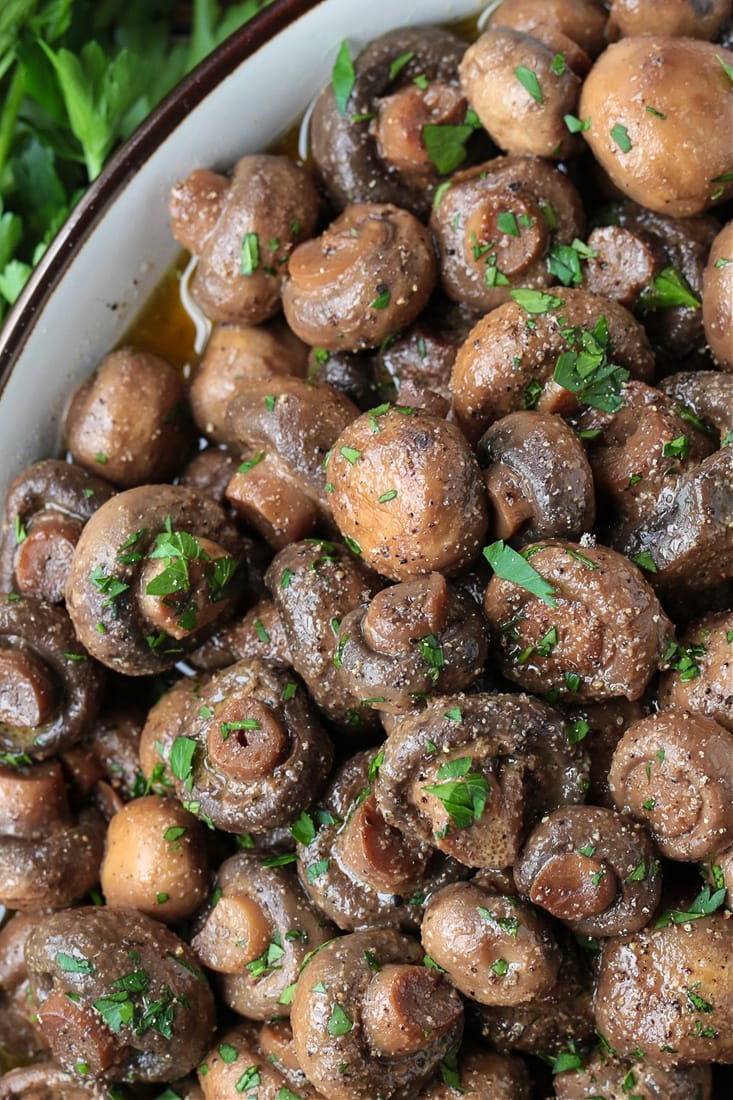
667	290
462	792
704	904
446	147
181	757
621	137
250	255
586	371
530	83
343	78
514	567
339	1023
536	301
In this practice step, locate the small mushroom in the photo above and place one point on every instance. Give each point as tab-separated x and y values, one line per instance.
244	229
367	276
670	772
566	638
20	1041
623	262
47	1081
538	479
481	1074
407	491
156	569
495	949
679	18
581	21
706	395
210	471
254	1063
700	679
717	311
365	1003
258	635
618	1076
128	423
600	726
592	869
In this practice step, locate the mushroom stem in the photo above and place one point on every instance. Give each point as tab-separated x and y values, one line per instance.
76	1033
267	496
27	694
245	739
375	853
187	607
401	117
42	559
236	932
400	615
32	799
510	504
406	1007
571	886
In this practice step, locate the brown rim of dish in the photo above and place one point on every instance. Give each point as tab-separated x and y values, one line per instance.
163	120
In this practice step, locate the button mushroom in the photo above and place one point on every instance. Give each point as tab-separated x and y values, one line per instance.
602	1074
705	395
684	18
717	312
482	1074
582	21
244	1061
700	677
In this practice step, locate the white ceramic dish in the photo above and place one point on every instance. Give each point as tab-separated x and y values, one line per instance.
115	247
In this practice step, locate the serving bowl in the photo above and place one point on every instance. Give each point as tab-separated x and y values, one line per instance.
116	246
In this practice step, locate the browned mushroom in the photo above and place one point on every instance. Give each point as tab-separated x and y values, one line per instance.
20	1041
582	21
687	18
622	263
602	1074
366	1004
255	934
419	636
360	871
155	860
49	688
524	353
591	868
47	1081
481	1074
705	396
558	628
128	422
367	276
140	1010
156	569
166	718
669	772
244	230
495	949
210	471
665	992
45	510
115	746
471	774
600	726
538	478
407	493
254	1064
258	635
287	427
700	678
717	312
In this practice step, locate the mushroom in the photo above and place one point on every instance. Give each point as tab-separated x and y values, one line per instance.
156	569
683	18
412	638
717	312
496	224
287	427
314	584
670	771
611	1077
601	726
115	746
258	635
351	373
558	627
654	101
45	510
140	1010
665	992
408	79
210	471
172	712
524	354
581	21
592	869
260	1064
155	860
360	871
482	1074
244	230
20	1041
255	934
367	276
521	93
49	690
127	423
705	395
407	492
623	261
538	478
365	1003
700	677
47	1081
495	949
471	774
249	754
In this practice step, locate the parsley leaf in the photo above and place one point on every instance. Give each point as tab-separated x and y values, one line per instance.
666	291
511	566
446	145
463	792
343	78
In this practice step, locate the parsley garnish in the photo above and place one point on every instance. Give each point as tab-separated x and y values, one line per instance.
536	301
576	125
446	147
303	829
530	83
182	753
666	291
511	566
585	369
704	904
343	78
620	135
383	297
339	1023
250	257
399	63
463	794
563	261
431	652
74	964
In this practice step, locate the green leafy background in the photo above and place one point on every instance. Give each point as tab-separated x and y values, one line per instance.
76	79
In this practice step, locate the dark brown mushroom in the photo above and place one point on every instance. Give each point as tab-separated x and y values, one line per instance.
700	679
538	479
351	373
665	992
234	357
156	569
244	229
671	771
688	18
573	637
509	357
254	1063
704	395
622	263
407	491
616	1077
287	427
172	712
50	689
115	746
360	871
365	1003
20	1041
249	754
128	422
481	1074
717	312
495	225
471	774
419	636
592	869
45	510
495	949
141	1008
355	154
365	278
258	635
600	726
47	1081
210	471
255	934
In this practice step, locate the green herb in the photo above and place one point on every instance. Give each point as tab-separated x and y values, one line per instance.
722	262
386	497
717	875
446	147
620	135
558	64
586	371
696	999
343	78
656	113
270	959
261	632
250	1079
563	261
432	965
667	290
316	870
399	63
728	68
351	454
645	561
529	82
704	904
250	255
182	753
73	964
507	223
422	82
439	192
339	1023
250	464
463	794
372	962
352	544
453	715
289	691
162	898
589	851
431	652
20	532
281	860
128	544
567	1060
500	967
514	567
108	585
382	299
286	997
536	301
639	872
174	833
577	731
677	448
303	829
576	125
449	1070
15	759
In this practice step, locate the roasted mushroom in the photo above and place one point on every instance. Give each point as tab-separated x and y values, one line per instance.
704	395
210	471
615	1078
20	1041
581	21
156	569
688	18
481	1074
700	678
258	635
365	1003
251	1063
47	1081
717	311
